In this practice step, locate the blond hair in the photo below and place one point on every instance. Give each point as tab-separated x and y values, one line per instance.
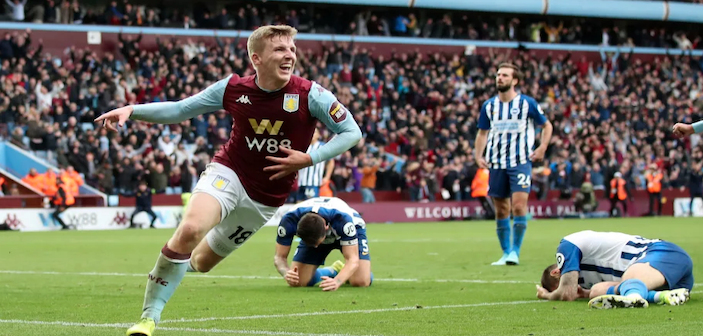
258	37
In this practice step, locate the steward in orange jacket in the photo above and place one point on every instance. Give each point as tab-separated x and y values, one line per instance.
62	200
654	188
619	193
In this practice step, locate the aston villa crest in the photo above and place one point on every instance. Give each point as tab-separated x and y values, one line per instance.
291	102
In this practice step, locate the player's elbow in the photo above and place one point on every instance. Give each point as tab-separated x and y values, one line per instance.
355	135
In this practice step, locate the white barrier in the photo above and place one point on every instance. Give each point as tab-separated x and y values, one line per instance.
682	206
102	218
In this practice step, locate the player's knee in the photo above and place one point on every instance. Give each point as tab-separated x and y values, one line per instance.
502	209
200	266
188	234
364	282
520	208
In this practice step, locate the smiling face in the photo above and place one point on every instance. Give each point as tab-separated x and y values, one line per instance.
272	52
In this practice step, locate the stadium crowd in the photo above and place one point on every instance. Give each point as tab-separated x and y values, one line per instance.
332	19
418	113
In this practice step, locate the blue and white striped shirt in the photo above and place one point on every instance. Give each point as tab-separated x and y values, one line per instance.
512	130
600	256
312	176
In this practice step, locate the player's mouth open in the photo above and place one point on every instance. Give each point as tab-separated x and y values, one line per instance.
286	68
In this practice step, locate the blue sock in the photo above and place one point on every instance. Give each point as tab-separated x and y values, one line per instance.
633	286
167	274
519	228
503	230
319	273
653	296
611	290
371	282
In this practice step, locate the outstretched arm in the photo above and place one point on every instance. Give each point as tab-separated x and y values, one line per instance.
208	100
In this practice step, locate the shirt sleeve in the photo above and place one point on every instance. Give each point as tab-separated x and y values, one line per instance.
535	112
287	228
208	100
346	229
324	106
568	257
484	122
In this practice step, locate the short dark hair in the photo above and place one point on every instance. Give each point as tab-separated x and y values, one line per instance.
549	282
311	227
517	74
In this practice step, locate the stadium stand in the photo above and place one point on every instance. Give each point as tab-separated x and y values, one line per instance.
418	110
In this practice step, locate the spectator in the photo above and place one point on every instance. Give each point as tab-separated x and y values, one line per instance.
143	204
17	7
35	180
585	202
368	180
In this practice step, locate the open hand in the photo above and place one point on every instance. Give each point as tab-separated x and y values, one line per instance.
481	161
292	277
538	154
294	161
329	284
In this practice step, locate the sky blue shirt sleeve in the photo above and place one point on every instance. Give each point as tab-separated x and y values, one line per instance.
208	100
484	122
698	126
568	257
323	105
535	112
287	228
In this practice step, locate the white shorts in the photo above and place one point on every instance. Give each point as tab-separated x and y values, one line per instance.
241	216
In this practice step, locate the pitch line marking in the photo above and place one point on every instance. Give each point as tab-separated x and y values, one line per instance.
202	330
266	277
364	311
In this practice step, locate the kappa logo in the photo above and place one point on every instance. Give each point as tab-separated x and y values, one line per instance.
220	183
13	222
120	219
244	99
291	102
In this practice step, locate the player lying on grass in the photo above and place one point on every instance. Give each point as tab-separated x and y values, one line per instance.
617	270
323	224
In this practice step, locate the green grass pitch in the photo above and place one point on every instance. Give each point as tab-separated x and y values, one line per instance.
431	279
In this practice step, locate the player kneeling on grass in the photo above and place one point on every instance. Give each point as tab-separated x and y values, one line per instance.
323	224
617	270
